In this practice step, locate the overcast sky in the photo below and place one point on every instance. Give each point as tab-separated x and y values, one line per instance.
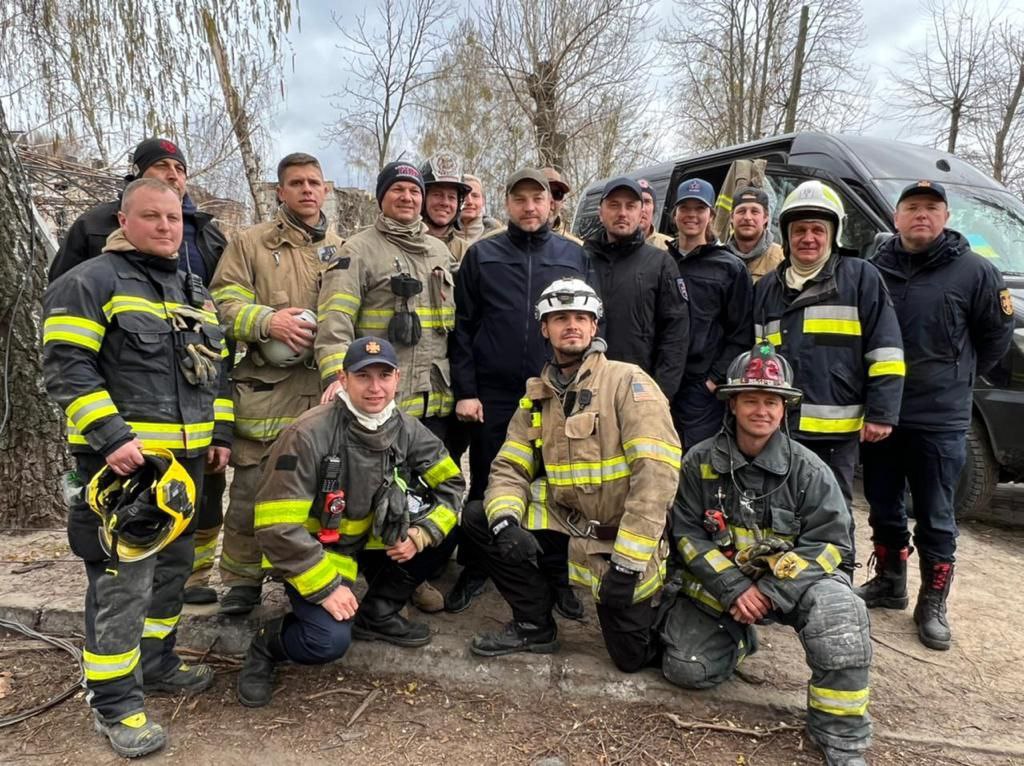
318	68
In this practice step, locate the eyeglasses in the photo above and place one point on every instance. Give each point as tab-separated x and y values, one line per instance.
557	195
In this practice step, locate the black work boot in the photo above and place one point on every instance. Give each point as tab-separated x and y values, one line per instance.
930	612
471	583
132	737
380	619
187	679
256	680
241	599
199	594
568	604
517	637
888	588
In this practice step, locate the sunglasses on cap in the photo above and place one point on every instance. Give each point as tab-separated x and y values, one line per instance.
557	195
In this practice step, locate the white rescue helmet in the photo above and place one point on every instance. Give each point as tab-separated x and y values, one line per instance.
813	199
278	354
569	295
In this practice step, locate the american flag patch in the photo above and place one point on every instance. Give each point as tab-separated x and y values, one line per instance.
642	392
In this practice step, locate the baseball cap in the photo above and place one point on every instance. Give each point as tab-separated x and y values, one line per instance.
369	350
646	188
621	183
750	194
527	174
555	181
696	188
932	188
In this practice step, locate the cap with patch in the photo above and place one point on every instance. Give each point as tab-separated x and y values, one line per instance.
698	189
370	350
931	188
394	172
527	174
622	183
152	150
750	194
646	188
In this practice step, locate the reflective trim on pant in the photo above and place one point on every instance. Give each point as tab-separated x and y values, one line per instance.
240	556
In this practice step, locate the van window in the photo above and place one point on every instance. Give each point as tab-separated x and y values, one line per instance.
858	230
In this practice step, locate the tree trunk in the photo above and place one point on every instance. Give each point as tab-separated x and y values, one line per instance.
1009	115
954	125
32	453
239	117
798	71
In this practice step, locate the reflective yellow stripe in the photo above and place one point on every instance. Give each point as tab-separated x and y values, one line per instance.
567	475
223	410
260	429
440	472
825	418
724	202
520	454
106	667
644	589
86	410
346	303
687	549
248	319
75	330
537	513
505	504
204	555
294	511
331	365
707	472
233	292
635	547
838	701
837	320
744	537
772	331
692	587
887	368
651	585
314	579
159	627
370	320
249	569
653	449
717	560
346	528
444	518
440	404
830	558
168	435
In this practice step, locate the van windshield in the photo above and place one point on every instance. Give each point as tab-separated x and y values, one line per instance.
991	219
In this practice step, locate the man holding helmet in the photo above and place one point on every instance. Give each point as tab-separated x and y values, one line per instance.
353	483
444	192
830	313
266	291
134	353
586	474
758	530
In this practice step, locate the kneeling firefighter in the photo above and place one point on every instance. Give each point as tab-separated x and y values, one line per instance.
352	483
584	479
759	528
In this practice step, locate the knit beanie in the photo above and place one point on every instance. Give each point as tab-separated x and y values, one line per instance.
151	151
394	172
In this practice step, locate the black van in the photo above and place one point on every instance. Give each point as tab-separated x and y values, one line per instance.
869	173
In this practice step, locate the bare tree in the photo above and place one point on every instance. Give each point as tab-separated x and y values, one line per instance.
736	60
392	58
940	81
125	50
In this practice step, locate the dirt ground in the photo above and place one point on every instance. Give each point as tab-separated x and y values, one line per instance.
964	706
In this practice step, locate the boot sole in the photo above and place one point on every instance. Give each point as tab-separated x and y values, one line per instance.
246	702
887	603
548	647
362	634
130	752
235	610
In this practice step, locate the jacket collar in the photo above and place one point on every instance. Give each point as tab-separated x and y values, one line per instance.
528	239
774	458
285	233
604	246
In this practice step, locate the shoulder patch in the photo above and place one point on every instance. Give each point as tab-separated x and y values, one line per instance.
286	463
1006	302
643	391
681	284
340	263
325	253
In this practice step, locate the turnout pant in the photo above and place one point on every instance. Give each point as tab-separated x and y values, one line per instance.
701	651
211	518
696	413
131	616
240	557
310	636
841	456
929	462
529	590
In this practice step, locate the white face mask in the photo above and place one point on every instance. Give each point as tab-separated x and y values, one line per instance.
371	422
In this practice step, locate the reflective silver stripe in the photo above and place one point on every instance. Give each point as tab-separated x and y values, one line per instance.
832	411
885	354
831	312
159	627
772	328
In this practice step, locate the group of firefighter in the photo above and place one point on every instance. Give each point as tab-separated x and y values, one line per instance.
344	381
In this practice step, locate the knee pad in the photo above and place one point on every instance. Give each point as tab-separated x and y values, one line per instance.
836	634
699	650
692	672
474	522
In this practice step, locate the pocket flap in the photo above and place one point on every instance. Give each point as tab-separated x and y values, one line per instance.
582	425
784	521
147	326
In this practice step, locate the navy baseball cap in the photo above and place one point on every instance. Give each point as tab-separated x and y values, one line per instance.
750	194
931	188
622	183
696	188
366	351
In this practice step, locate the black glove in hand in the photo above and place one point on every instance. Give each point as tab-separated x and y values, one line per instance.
617	587
515	544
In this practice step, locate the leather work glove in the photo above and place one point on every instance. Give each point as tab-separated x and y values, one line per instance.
766	556
391	514
617	587
515	544
200	367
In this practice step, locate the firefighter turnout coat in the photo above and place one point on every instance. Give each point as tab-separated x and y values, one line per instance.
357	300
268	267
287	516
601	456
842	338
110	356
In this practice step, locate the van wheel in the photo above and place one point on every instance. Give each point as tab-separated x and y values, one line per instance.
979	477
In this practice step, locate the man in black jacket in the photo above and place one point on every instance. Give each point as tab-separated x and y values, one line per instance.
201	247
956	316
497	345
646	317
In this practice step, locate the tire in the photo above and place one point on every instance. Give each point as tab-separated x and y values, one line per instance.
980	474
